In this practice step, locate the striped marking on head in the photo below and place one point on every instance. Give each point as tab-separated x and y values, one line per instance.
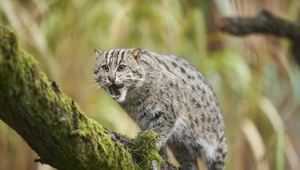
121	55
116	56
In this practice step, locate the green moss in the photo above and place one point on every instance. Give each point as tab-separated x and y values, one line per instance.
146	151
8	43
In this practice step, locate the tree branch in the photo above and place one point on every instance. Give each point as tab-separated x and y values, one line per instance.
53	125
264	23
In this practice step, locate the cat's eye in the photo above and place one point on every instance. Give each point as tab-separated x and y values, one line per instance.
121	68
105	68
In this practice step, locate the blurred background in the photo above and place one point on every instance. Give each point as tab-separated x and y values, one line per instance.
256	79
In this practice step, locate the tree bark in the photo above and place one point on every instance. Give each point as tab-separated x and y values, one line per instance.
264	23
53	125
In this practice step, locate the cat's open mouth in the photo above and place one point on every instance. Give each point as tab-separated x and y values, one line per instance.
114	90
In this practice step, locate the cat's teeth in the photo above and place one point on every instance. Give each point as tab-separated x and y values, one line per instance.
115	96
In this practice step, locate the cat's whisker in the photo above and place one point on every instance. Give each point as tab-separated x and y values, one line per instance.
94	85
91	78
136	79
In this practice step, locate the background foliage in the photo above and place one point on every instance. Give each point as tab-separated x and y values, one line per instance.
255	77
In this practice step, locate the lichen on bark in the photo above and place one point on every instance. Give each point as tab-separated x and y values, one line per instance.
53	125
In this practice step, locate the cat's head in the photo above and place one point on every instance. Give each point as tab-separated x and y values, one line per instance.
119	70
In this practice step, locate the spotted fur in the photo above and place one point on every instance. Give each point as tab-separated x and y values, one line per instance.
167	94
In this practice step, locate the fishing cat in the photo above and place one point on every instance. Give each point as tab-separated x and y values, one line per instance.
166	94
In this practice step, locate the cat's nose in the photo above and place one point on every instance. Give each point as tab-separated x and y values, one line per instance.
112	79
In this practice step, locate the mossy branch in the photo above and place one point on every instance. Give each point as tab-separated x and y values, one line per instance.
264	23
53	125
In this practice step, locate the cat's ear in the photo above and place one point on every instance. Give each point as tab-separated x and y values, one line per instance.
98	53
137	54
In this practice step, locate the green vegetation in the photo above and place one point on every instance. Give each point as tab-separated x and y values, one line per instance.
255	78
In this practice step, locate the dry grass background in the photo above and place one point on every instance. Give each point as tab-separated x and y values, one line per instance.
255	78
